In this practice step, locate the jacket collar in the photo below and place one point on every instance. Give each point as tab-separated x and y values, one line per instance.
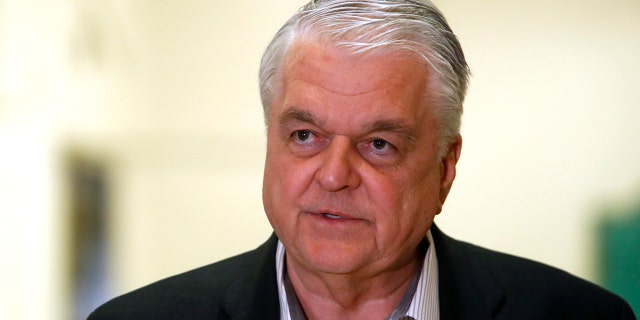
467	288
255	294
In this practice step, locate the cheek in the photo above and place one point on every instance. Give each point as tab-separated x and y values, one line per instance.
426	196
418	198
276	195
286	178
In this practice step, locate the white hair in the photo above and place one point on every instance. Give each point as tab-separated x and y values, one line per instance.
361	26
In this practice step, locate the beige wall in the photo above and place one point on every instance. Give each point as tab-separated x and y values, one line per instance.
165	93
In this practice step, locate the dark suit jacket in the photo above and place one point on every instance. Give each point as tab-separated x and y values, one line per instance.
474	283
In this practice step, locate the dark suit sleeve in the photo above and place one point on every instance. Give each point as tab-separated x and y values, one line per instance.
626	313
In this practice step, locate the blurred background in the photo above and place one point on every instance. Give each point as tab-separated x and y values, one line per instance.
132	141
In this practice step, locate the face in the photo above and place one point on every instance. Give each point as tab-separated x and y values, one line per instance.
353	178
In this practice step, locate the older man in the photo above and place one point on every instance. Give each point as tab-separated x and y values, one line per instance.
362	101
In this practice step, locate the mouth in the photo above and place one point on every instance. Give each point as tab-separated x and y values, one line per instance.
332	216
335	220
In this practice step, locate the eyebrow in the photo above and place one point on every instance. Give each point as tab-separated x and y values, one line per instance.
397	126
296	114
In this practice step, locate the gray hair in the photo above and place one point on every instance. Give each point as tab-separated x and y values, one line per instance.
362	26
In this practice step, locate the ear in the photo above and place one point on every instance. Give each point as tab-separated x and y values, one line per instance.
448	167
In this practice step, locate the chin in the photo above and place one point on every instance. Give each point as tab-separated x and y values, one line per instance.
335	259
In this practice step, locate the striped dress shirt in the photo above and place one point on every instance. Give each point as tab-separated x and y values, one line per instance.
425	302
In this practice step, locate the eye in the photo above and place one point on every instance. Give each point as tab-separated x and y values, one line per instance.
379	152
303	136
305	143
381	146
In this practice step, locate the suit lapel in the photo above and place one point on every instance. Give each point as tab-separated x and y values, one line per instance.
256	295
467	289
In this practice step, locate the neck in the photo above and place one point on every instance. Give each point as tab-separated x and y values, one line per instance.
356	295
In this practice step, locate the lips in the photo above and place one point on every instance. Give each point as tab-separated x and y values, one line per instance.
328	221
332	216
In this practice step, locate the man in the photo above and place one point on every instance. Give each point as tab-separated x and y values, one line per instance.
362	101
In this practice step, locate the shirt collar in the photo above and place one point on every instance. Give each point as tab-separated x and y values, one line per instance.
425	304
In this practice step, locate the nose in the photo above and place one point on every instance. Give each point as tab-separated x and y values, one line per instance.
337	171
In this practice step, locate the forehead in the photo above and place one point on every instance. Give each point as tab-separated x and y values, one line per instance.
344	72
352	90
335	63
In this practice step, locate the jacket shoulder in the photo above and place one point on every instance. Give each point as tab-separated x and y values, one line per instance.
550	290
522	288
202	293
